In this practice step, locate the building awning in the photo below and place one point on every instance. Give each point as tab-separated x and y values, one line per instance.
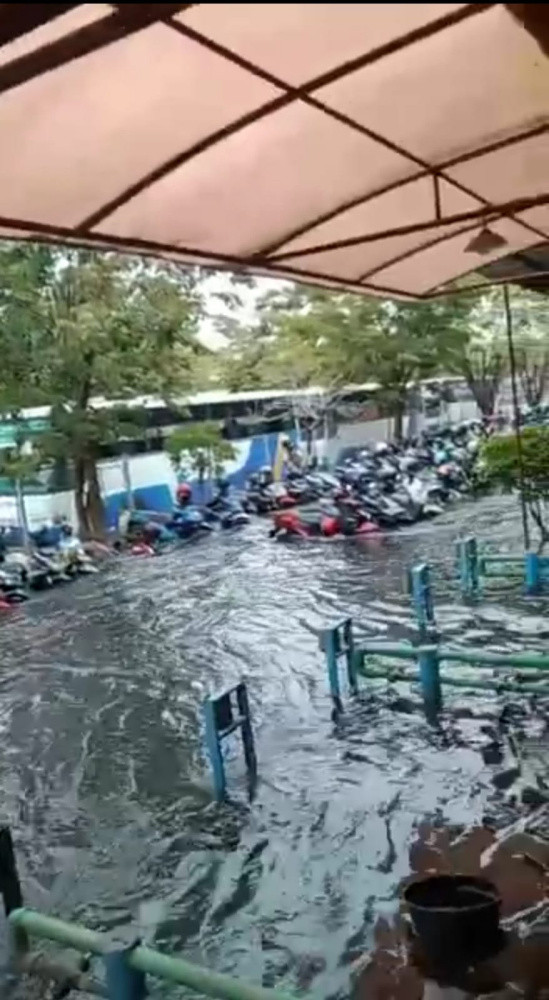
359	146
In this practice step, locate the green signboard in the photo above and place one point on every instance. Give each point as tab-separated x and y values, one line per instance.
12	431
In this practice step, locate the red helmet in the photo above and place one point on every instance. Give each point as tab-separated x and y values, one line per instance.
183	491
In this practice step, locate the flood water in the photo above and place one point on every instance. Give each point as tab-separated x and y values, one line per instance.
102	773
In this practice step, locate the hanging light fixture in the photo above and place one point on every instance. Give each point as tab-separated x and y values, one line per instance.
485	241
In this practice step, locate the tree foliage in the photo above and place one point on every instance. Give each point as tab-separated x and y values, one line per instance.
78	327
531	336
315	337
311	337
500	459
201	449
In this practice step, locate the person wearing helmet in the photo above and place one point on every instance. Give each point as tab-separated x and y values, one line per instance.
183	495
223	487
293	461
68	540
221	499
265	475
381	448
186	517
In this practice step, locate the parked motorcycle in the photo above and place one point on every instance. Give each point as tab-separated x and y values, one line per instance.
12	589
343	519
226	511
392	485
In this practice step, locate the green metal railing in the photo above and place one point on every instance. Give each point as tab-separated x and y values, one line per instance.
476	563
525	672
28	923
478	657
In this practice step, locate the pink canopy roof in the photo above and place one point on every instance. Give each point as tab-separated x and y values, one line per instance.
353	145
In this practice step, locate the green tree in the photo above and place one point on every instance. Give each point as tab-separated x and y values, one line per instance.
532	361
483	359
244	364
531	335
397	344
309	336
483	363
81	327
501	468
19	467
200	447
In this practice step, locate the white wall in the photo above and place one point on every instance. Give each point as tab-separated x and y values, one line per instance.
356	434
39	508
145	470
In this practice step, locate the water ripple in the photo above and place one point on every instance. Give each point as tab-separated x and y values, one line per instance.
104	780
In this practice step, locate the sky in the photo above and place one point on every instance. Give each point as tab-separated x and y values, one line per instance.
209	335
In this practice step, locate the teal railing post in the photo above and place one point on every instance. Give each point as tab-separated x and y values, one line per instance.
335	642
532	572
422	599
350	655
213	746
468	566
427	656
429	676
248	744
221	718
10	886
122	982
330	645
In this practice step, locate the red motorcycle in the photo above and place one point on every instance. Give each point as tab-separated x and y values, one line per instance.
337	524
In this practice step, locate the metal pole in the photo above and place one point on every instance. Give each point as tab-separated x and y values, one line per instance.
420	586
350	655
174	969
516	415
469	568
22	514
405	651
331	648
391	676
248	744
532	574
126	476
213	747
10	886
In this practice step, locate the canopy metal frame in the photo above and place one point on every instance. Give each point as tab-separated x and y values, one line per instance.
274	256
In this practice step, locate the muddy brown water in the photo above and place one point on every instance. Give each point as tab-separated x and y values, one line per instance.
104	781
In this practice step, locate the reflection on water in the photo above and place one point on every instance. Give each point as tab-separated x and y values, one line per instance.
104	780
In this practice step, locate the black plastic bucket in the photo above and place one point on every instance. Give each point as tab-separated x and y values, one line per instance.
456	918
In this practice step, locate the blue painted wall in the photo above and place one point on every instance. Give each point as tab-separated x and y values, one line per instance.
158	496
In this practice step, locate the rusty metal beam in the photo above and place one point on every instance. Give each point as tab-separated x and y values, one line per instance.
126	20
288	95
481	215
18	19
437	291
346	206
417	249
43	232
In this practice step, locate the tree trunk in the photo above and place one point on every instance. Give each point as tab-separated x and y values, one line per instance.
95	506
536	510
398	426
90	508
79	497
308	435
533	379
485	395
